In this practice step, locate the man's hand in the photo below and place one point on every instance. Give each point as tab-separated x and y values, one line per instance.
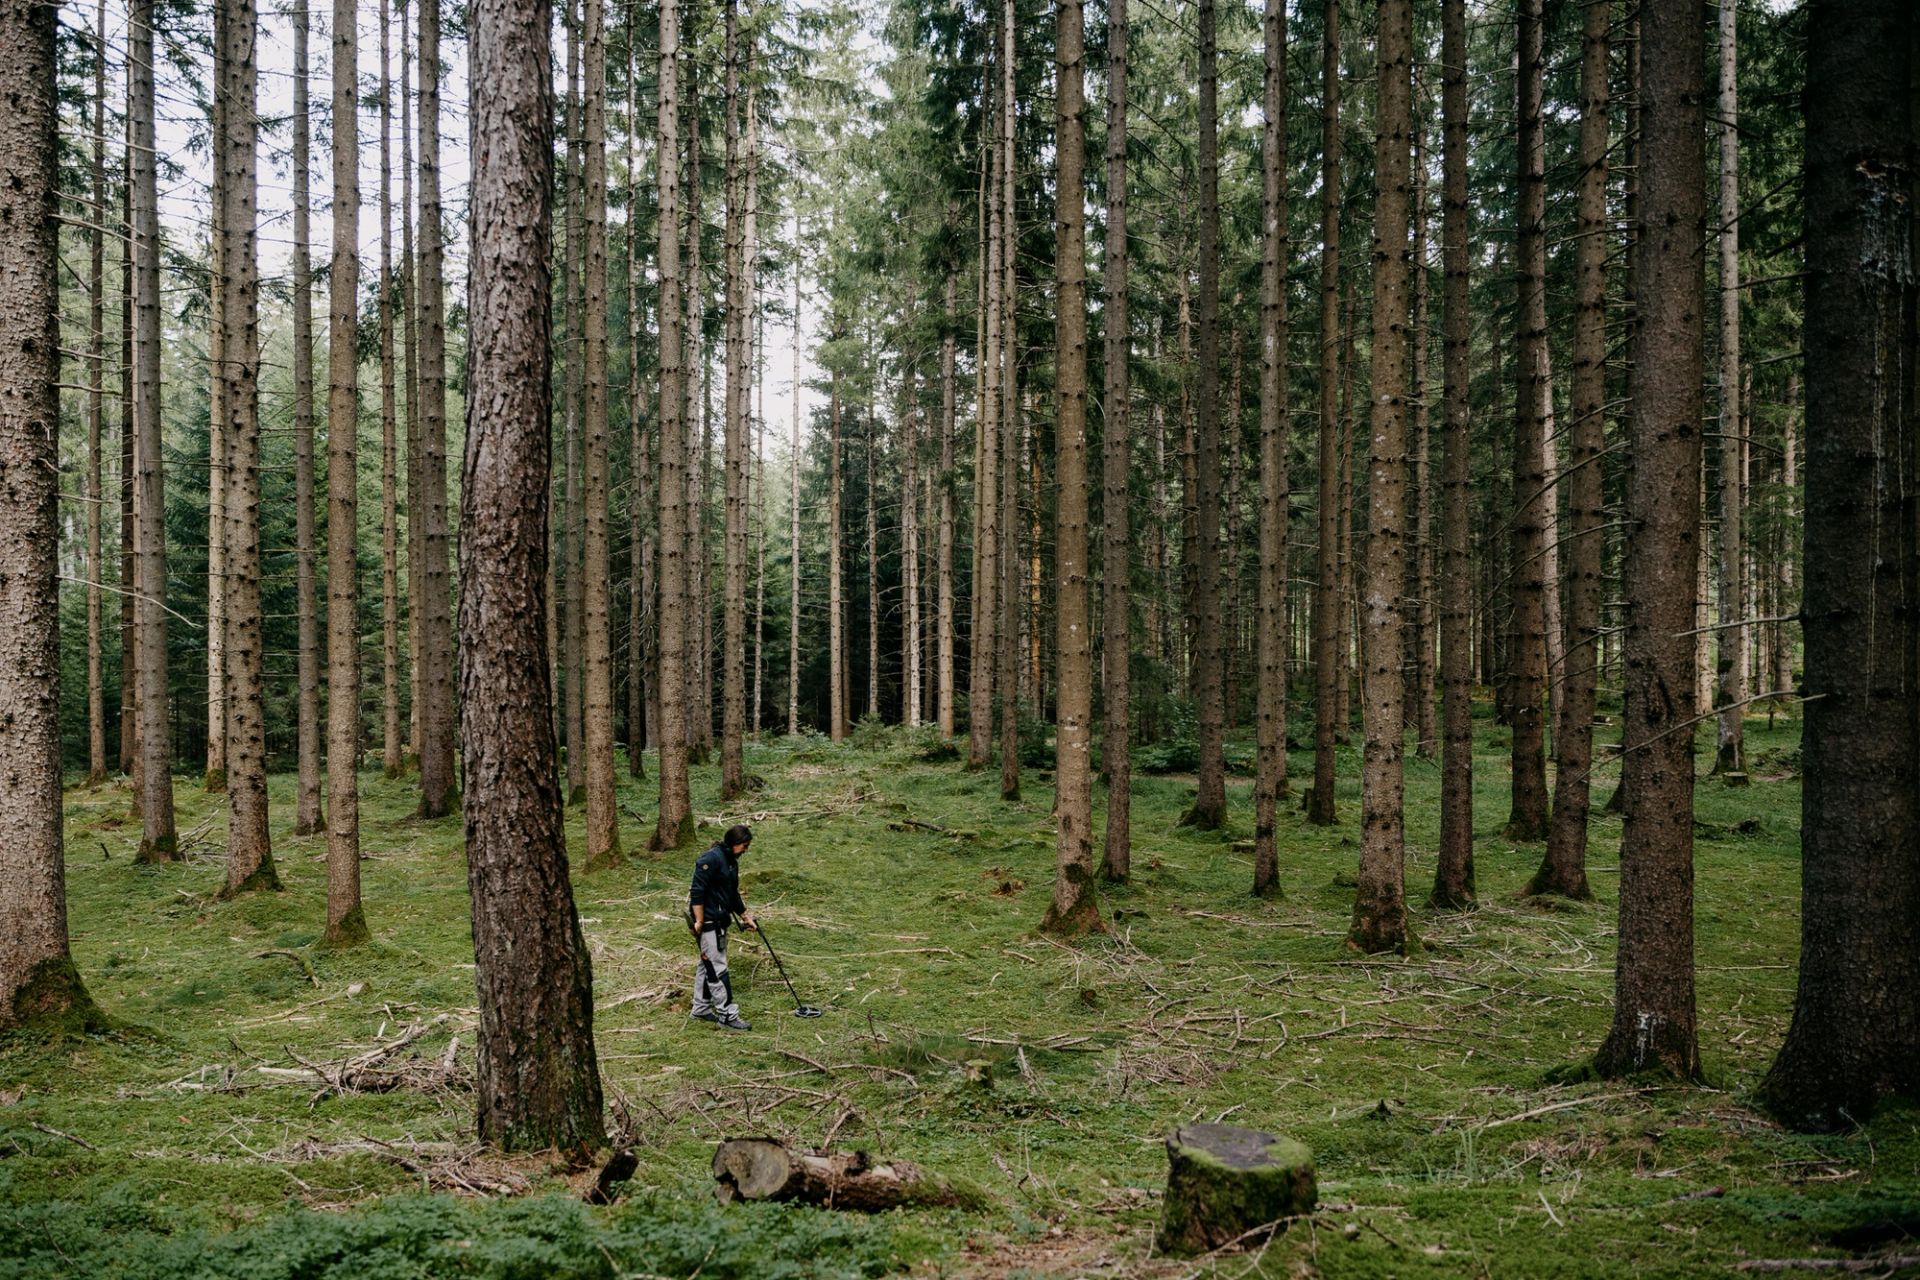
747	920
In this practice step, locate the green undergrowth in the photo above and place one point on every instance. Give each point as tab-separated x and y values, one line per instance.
904	896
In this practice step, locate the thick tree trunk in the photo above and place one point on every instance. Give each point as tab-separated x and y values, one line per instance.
1116	862
1276	487
159	842
38	982
1855	1037
1380	904
538	1083
1653	1017
249	847
1209	809
346	923
1528	818
1074	907
307	816
1329	664
603	815
1007	634
436	674
1420	609
1565	869
675	821
96	409
1730	756
1453	874
768	1169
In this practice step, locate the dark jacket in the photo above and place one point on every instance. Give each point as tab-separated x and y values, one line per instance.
716	887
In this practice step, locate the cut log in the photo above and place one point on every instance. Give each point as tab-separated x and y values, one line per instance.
768	1169
1224	1183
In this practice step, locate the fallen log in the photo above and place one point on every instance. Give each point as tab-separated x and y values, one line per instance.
768	1169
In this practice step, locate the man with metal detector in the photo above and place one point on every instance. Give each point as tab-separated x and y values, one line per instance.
714	903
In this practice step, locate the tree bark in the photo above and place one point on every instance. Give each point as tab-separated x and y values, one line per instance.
1653	1017
1528	818
639	447
1209	809
910	550
836	593
733	698
1116	862
872	707
1380	903
675	820
944	622
1007	634
159	841
410	349
38	981
1453	874
986	464
1075	907
392	749
346	921
538	1082
96	410
767	1169
249	847
1730	756
307	815
214	776
603	815
1420	610
1855	1036
570	528
129	566
1276	487
1329	664
437	714
1564	871
793	513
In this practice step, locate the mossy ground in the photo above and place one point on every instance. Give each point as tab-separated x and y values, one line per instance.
955	1035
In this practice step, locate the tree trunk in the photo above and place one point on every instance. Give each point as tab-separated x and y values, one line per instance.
410	349
1007	633
392	749
38	982
537	1082
1074	907
944	623
1329	664
675	822
1453	874
1552	614
129	566
640	463
872	707
1225	1184
1855	1037
1347	617
249	847
1528	819
1276	488
436	674
96	409
793	514
733	701
1380	904
159	842
1420	610
836	596
1209	809
1784	599
910	551
1730	756
768	1169
986	465
698	377
753	336
1116	862
1653	1017
346	922
307	815
570	528
214	777
1565	869
603	815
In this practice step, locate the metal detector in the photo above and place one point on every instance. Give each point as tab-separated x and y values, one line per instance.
799	1010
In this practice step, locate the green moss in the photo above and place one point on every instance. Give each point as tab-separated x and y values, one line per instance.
164	849
351	930
53	1002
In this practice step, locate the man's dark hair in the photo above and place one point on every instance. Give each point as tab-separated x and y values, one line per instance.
737	835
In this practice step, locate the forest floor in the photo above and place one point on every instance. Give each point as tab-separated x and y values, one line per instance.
198	1141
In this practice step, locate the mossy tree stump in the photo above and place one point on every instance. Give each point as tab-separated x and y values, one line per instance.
1224	1181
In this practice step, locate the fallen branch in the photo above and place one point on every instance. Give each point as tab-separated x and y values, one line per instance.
61	1133
306	966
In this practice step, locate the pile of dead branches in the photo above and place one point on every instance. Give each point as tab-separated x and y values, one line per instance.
381	1070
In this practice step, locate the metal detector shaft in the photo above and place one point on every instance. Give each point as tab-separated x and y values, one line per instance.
801	1009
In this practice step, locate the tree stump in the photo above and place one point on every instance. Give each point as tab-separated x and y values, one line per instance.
768	1169
1224	1182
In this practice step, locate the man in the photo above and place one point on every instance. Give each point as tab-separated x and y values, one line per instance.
714	903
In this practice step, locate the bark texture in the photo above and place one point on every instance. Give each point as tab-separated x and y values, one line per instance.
768	1169
1116	445
1653	1015
1276	497
1730	756
537	1083
1855	1037
435	673
603	814
1329	664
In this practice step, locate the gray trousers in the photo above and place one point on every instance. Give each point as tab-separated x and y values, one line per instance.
712	988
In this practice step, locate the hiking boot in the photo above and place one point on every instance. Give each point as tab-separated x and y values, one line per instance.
734	1023
708	1016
